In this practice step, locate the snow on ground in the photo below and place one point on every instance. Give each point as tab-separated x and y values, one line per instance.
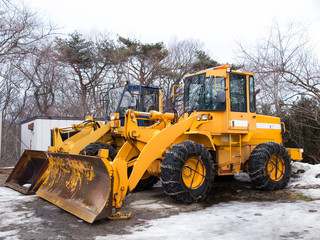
235	220
244	220
11	234
231	220
13	212
306	179
10	200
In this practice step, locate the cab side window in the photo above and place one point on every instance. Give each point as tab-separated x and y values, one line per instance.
238	94
213	88
150	100
252	97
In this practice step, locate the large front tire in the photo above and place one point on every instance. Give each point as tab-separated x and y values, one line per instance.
187	172
269	166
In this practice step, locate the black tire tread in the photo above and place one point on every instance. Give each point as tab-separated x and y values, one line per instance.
257	164
171	172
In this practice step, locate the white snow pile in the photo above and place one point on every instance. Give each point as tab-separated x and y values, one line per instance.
14	213
244	220
308	175
242	177
306	179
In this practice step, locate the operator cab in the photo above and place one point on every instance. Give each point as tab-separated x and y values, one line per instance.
230	94
206	91
136	97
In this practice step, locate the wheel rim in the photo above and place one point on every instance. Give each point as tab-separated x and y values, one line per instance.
276	168
193	173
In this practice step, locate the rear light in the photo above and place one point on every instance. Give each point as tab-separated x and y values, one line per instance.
117	123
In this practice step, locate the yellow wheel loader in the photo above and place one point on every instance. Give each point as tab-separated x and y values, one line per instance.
218	134
89	137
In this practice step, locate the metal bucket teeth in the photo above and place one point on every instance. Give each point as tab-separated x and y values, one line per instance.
78	184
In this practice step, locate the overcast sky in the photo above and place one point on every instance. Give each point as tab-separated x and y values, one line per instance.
217	24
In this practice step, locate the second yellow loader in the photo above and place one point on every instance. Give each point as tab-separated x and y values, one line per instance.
89	137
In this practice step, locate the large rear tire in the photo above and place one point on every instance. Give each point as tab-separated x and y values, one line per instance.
93	148
269	166
187	172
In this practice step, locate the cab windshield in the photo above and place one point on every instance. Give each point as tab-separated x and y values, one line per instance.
132	97
120	99
204	93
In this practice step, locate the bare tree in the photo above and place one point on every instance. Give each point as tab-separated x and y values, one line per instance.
284	64
288	72
21	30
40	68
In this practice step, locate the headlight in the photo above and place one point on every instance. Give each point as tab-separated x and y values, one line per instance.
204	117
112	116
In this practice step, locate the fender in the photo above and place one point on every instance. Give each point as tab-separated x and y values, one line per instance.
206	135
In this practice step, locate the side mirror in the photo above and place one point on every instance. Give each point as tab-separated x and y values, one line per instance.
220	97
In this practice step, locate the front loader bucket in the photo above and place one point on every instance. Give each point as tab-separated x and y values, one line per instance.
25	175
78	184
